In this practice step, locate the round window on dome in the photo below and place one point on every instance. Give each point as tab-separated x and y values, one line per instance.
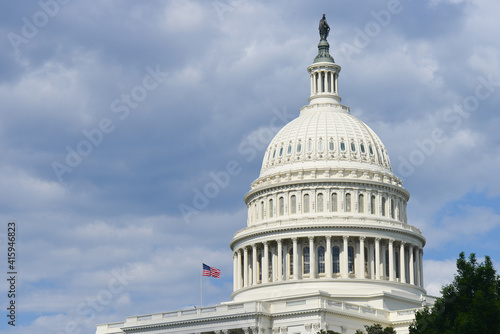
362	147
353	147
342	146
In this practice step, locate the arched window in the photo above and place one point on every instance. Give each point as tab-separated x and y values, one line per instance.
342	146
336	259
347	202
281	151
350	259
362	146
331	145
293	204
282	206
371	149
289	150
306	260
321	260
299	147
319	203
320	146
334	202
309	145
305	204
361	203
271	208
353	147
383	206
290	260
274	153
372	205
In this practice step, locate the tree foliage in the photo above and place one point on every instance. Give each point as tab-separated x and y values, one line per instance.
377	329
327	332
469	305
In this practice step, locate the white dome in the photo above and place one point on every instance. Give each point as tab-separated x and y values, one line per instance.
325	135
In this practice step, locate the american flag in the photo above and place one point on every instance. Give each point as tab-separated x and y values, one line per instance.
210	271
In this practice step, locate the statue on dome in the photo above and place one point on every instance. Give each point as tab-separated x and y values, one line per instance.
324	28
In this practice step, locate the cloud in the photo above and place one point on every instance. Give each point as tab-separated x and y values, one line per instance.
120	206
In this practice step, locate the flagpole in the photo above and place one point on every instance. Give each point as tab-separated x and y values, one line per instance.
201	286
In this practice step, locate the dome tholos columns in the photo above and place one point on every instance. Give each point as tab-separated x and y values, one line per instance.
326	213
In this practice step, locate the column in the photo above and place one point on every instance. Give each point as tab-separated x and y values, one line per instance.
371	261
265	263
411	265
417	267
332	87
391	259
280	260
336	83
273	264
344	262
402	263
254	265
377	258
240	285
235	271
383	271
361	265
420	256
328	257
245	267
312	257
312	84
295	259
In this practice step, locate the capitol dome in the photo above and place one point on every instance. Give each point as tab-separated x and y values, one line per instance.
327	214
327	135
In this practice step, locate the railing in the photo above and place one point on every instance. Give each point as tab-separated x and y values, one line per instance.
249	307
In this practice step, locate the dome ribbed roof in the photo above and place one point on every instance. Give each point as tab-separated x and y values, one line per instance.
325	135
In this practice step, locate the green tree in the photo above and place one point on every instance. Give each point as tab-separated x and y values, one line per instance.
327	332
377	329
469	305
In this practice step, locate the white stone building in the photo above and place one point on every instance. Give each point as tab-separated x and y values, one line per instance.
327	243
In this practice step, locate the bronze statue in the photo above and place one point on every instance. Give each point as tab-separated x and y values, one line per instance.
324	28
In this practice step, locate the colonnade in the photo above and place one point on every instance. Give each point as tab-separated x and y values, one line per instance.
324	200
317	257
324	81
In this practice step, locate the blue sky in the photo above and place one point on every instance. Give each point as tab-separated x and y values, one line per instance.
114	114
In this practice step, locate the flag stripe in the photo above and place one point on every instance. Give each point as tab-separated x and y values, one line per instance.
210	271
